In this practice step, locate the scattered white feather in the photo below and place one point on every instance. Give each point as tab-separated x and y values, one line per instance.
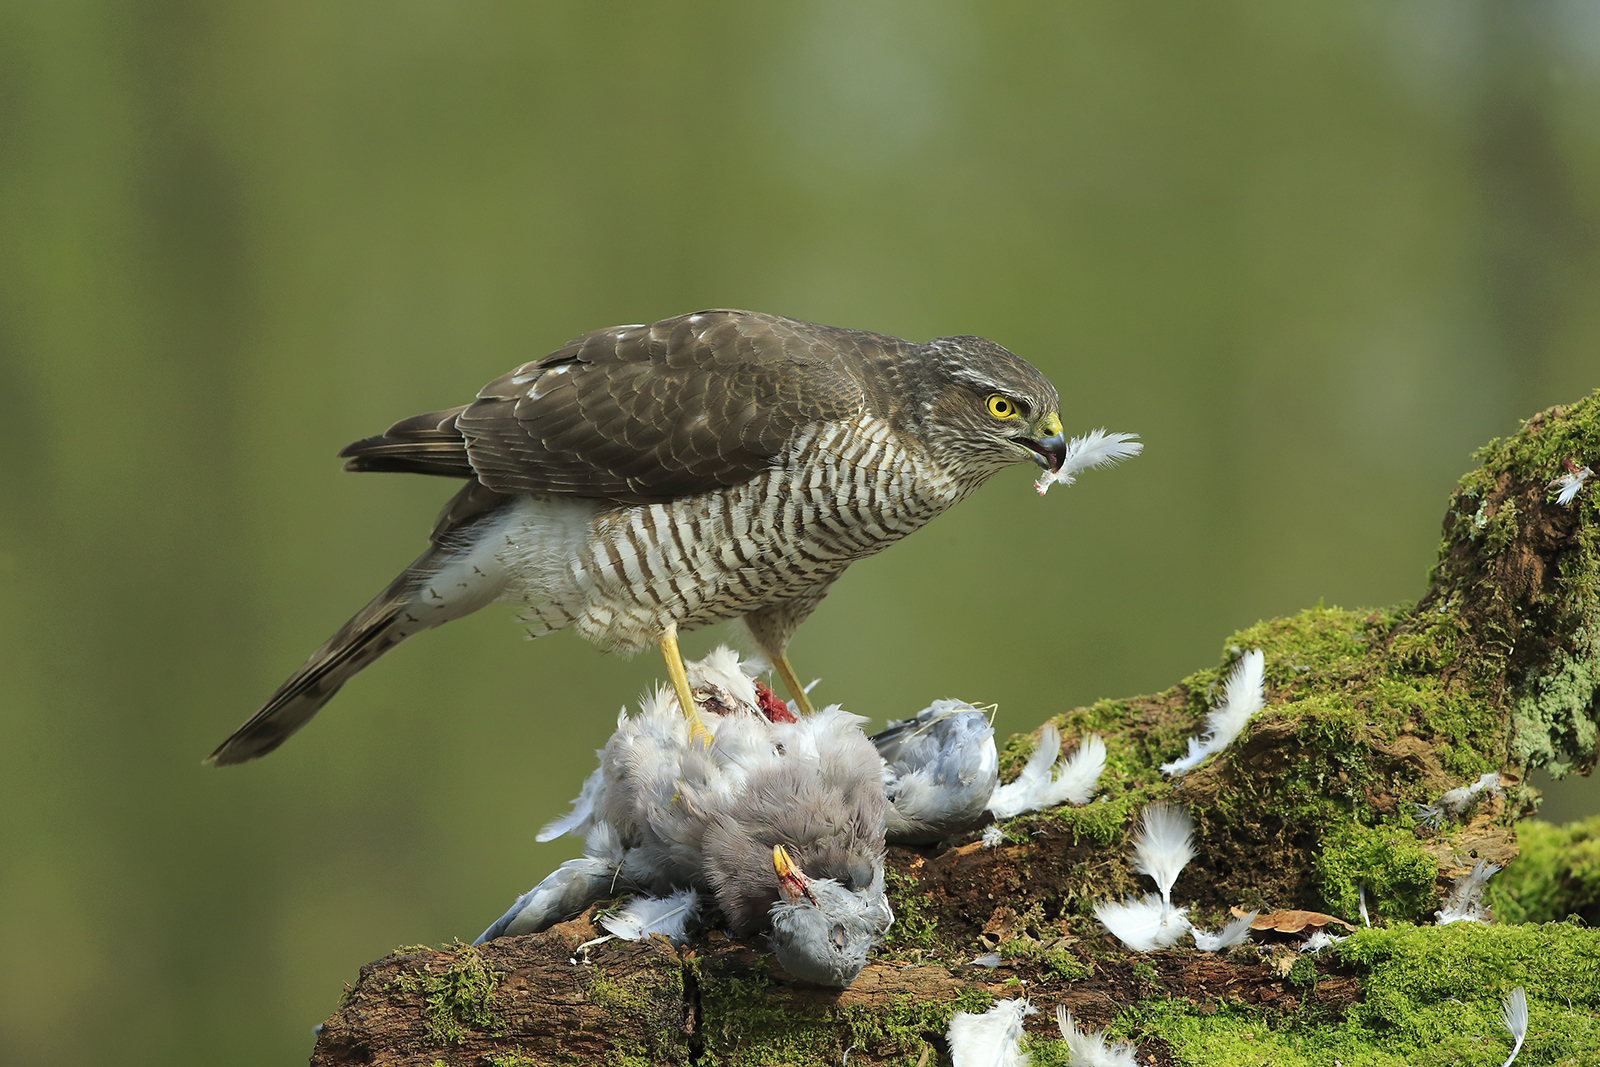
669	916
993	1039
1514	1017
1094	449
1454	803
1236	932
1046	782
1244	695
1465	902
990	960
1319	941
1163	846
1090	1048
1143	923
1361	899
993	836
1569	484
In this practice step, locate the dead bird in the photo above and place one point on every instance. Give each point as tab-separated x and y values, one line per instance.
939	771
781	823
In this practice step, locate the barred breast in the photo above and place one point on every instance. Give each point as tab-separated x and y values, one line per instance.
619	574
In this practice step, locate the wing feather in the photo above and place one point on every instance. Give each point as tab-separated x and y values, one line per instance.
647	413
642	414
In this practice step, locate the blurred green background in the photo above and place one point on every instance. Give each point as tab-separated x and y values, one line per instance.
1313	253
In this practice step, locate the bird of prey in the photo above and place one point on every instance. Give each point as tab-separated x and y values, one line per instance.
644	480
781	821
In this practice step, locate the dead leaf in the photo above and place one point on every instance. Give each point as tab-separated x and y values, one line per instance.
1290	922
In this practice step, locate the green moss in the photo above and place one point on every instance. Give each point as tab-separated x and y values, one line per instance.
914	921
1399	876
751	1022
1556	875
457	999
1431	998
1547	632
1302	974
652	999
1413	974
510	1058
1100	821
1057	961
1554	723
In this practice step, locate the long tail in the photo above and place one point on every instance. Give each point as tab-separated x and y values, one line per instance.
458	575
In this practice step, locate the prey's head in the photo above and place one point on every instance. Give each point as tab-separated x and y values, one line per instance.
984	408
821	928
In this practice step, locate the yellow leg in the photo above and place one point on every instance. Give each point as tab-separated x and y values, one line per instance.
680	683
786	672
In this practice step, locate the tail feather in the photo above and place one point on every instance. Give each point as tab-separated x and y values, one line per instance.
371	633
422	444
458	575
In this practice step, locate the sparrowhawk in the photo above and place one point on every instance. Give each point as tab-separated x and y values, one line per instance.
643	480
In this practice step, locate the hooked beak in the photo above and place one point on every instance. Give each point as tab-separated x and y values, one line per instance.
1048	452
791	883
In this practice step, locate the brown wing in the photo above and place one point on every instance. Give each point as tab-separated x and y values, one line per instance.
642	413
649	413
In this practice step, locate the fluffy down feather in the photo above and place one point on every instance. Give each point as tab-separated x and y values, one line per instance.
1144	923
671	916
1244	696
1514	1017
1465	902
1044	782
993	1039
1236	932
1090	1048
1163	845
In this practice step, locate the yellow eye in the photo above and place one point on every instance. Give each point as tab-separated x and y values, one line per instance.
1001	408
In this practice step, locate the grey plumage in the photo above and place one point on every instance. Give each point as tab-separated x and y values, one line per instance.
566	891
647	479
940	768
664	811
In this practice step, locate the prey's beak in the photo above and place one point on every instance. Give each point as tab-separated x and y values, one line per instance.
791	883
1048	452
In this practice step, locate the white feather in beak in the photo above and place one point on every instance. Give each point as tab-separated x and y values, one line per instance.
1094	449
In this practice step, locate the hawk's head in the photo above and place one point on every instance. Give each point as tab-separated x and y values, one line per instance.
984	408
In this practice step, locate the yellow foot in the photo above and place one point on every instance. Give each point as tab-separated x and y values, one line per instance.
680	684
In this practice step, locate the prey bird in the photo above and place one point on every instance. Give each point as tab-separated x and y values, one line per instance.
644	480
780	821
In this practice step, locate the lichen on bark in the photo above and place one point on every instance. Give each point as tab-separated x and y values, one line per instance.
1369	713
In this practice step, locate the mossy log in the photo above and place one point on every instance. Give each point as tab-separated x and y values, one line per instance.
1369	713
